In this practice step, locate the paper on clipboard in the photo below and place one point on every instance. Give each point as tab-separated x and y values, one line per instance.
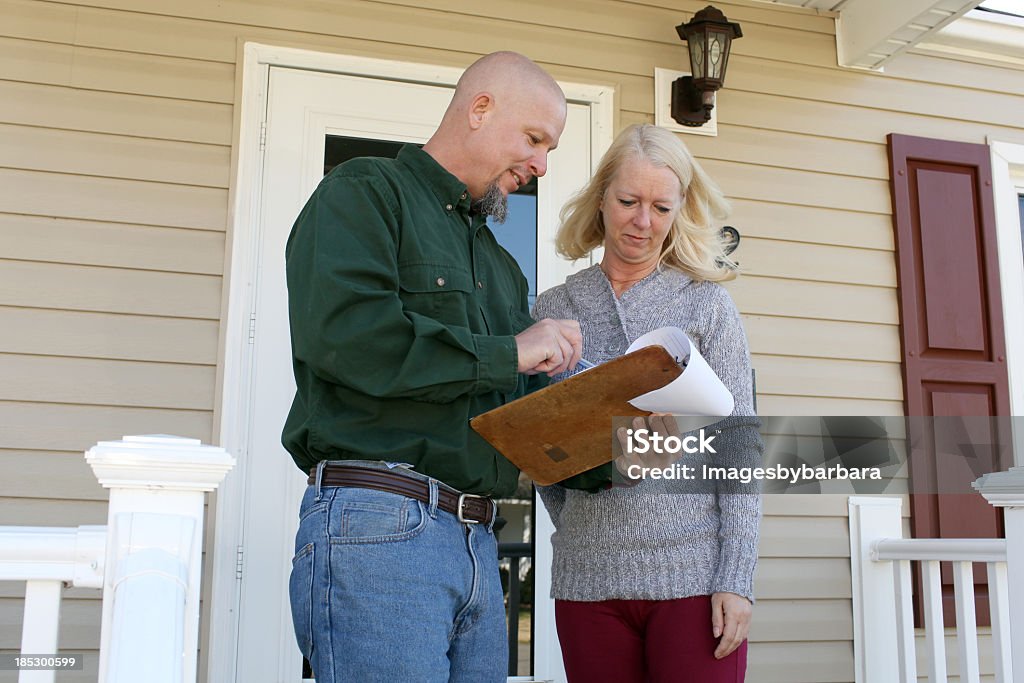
696	392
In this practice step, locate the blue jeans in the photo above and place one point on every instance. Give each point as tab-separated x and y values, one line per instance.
387	588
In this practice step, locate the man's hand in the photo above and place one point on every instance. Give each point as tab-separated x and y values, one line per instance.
730	620
550	346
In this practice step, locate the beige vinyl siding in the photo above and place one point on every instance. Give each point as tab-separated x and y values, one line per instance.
67	475
35	284
985	656
116	200
110	336
116	126
161	119
114	156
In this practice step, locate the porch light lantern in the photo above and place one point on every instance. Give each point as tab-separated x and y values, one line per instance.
708	36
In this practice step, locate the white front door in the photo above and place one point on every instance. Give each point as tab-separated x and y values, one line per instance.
251	632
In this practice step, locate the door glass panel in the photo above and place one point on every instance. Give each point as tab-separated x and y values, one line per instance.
340	148
518	234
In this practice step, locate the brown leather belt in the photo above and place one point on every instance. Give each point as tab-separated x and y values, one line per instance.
469	508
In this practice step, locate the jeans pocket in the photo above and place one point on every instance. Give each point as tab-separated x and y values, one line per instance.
311	510
300	591
371	522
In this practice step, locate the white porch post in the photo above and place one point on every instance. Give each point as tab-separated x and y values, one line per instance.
150	627
1006	490
875	639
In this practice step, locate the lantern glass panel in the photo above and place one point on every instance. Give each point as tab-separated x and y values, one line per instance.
717	44
725	56
695	41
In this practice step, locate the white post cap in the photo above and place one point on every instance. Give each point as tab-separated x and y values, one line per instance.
1002	489
159	461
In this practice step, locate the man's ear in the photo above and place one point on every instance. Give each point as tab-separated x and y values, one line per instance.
479	109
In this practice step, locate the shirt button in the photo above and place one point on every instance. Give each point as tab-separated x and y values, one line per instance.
449	207
440	282
479	285
463	196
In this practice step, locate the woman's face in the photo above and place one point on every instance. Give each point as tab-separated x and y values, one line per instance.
638	209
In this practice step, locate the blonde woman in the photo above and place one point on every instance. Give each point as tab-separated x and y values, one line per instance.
650	585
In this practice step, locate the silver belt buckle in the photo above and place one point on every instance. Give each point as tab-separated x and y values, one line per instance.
462	500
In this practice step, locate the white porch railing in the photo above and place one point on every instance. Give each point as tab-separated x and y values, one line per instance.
146	560
47	559
884	636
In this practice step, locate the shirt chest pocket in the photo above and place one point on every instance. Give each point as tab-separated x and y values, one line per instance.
439	291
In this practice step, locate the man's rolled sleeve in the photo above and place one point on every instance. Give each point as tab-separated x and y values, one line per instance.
498	363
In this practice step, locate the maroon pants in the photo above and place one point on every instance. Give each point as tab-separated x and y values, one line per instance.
644	641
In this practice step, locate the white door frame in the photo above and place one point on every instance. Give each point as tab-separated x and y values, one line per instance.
1007	185
233	415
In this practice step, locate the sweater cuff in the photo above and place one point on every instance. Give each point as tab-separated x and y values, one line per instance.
498	360
738	534
739	508
735	571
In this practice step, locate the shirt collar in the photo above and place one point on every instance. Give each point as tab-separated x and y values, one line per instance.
449	190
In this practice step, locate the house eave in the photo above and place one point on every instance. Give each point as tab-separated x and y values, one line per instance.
871	33
980	36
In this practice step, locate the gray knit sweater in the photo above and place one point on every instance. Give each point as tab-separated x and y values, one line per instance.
644	542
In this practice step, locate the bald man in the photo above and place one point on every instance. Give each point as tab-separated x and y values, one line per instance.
408	319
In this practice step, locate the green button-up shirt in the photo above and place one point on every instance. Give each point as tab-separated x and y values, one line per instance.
403	309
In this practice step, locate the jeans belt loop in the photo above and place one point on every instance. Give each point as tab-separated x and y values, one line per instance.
432	506
462	502
319	477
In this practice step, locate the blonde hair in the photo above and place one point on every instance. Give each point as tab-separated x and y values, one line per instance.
693	244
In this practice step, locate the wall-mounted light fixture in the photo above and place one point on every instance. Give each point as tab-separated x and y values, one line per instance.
708	36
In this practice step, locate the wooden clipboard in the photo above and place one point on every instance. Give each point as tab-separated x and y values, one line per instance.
566	428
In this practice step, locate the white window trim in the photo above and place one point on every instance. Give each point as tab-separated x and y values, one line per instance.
1007	185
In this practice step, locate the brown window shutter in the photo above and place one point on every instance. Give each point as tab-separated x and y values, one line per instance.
951	317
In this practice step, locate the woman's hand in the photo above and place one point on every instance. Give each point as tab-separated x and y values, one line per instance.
730	620
663	424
